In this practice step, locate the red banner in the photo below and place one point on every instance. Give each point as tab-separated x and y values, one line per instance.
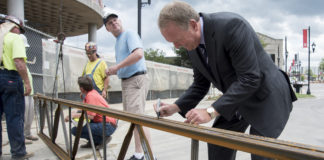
304	38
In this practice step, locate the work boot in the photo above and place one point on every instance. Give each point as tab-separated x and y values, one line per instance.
30	137
26	156
100	146
87	145
134	158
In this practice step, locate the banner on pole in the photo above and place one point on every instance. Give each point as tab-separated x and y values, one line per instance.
304	38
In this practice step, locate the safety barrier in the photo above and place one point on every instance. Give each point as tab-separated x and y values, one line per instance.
263	146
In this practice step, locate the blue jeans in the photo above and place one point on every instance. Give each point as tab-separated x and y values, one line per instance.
96	130
12	103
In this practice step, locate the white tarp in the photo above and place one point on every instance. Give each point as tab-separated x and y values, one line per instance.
162	76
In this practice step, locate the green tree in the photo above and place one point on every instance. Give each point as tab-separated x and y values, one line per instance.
155	55
302	77
182	58
263	43
321	67
311	73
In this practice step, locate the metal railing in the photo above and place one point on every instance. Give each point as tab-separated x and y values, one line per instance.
263	146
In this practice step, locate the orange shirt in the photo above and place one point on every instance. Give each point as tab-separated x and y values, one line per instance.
94	98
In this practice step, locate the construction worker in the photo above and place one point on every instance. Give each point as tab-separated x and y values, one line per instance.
13	72
95	69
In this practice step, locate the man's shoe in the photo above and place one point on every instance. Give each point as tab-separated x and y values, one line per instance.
107	140
28	141
26	156
134	158
87	145
30	137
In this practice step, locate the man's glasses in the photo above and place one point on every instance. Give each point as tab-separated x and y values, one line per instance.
90	52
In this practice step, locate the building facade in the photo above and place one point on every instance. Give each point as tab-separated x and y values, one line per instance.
274	47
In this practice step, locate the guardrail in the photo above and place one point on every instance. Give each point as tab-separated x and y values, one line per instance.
263	146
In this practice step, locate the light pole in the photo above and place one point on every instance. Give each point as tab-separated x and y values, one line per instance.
313	47
286	54
308	77
139	14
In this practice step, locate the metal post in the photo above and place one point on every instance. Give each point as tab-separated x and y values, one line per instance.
92	32
278	58
90	135
139	8
48	121
16	8
194	149
298	66
65	131
308	89
170	83
145	144
104	137
286	53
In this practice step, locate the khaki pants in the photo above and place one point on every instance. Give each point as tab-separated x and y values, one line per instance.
134	91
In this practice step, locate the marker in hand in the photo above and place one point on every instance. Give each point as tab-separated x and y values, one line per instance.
158	108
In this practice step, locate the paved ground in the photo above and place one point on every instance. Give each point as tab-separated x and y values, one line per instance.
305	126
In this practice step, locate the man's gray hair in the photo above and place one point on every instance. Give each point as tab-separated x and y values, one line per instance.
178	12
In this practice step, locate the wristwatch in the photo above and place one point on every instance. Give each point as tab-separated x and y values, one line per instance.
211	111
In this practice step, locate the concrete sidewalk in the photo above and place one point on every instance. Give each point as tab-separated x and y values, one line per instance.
304	126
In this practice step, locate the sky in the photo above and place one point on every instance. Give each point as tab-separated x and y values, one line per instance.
275	18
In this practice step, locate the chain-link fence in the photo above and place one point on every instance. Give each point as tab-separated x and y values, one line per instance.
34	57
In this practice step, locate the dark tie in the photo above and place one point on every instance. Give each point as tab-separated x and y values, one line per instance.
203	52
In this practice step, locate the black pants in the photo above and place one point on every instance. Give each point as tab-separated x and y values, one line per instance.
221	153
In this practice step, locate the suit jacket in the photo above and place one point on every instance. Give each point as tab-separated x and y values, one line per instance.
239	67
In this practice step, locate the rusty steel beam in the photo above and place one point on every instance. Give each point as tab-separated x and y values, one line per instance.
126	142
61	154
56	123
78	135
267	147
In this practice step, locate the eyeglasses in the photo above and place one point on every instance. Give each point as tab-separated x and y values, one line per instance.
90	52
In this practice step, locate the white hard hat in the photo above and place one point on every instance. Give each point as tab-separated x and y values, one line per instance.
16	21
25	40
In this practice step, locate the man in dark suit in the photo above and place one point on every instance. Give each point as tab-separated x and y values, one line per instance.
225	51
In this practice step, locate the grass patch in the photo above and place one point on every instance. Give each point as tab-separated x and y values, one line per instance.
304	95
